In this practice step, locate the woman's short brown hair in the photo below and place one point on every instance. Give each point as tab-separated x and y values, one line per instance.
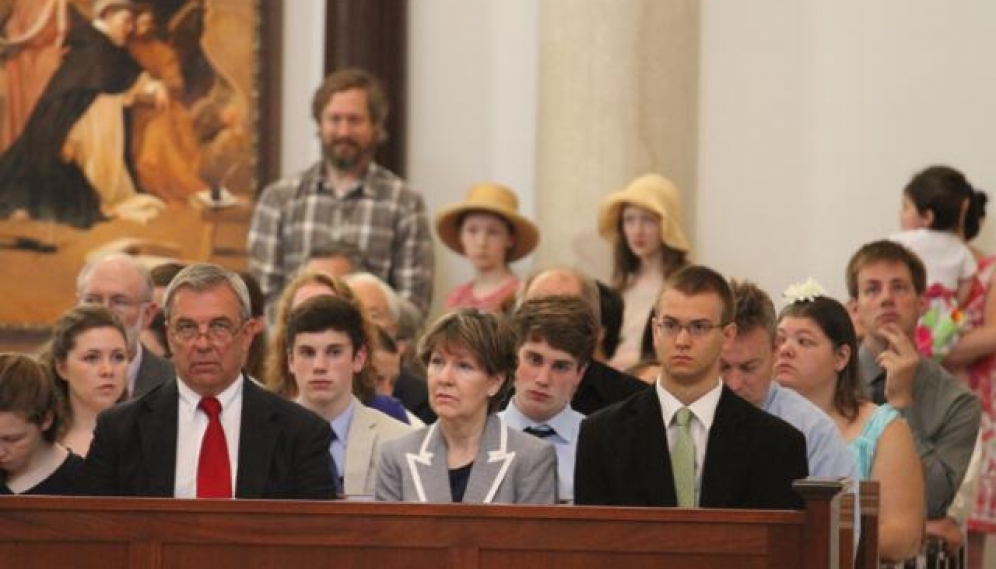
488	338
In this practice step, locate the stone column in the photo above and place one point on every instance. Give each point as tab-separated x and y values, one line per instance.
618	95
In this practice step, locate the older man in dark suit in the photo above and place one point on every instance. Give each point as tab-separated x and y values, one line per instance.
212	432
689	441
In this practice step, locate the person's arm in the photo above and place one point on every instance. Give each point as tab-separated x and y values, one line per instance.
977	342
538	483
899	360
313	472
100	466
946	455
413	264
964	289
389	478
590	486
789	463
265	241
901	499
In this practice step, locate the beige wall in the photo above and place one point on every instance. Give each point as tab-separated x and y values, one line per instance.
805	118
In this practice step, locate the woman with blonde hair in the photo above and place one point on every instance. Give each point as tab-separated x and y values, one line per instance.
643	224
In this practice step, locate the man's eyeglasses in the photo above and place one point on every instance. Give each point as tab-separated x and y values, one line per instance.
218	331
695	328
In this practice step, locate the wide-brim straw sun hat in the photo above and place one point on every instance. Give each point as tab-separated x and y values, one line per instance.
494	199
651	192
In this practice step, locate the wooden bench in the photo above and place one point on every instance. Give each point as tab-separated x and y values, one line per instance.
105	533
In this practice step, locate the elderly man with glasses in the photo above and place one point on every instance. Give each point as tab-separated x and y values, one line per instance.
122	284
689	441
212	432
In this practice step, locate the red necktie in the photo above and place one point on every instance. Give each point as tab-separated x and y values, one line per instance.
214	474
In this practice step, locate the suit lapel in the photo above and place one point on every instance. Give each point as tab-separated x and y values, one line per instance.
152	371
650	445
491	464
157	432
257	440
430	476
359	450
722	452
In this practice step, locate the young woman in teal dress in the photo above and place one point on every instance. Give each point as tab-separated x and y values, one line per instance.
816	355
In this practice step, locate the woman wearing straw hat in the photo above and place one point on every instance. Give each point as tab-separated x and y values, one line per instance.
487	229
643	224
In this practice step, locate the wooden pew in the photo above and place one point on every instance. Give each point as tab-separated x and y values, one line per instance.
867	556
105	533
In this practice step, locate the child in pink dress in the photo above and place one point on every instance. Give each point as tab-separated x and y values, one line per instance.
934	206
487	229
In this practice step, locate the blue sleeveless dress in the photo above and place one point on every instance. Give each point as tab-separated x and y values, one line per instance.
864	445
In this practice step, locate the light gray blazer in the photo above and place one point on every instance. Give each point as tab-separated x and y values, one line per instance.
511	467
368	430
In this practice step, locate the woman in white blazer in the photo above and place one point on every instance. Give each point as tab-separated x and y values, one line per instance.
468	454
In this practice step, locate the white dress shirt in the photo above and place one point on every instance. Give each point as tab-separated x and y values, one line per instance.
190	426
703	412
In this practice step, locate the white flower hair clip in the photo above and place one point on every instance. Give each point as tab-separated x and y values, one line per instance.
804	292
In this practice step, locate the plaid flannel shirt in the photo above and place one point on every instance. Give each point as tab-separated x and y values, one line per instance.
382	217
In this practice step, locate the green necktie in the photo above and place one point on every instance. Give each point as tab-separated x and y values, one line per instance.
683	459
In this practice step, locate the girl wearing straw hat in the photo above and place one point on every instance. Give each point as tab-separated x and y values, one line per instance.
643	224
487	229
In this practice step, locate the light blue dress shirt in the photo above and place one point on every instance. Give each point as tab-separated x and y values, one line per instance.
825	448
565	425
340	426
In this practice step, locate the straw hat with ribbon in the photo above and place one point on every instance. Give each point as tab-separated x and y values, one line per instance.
494	199
651	192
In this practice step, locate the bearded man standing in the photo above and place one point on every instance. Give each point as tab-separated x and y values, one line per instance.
346	198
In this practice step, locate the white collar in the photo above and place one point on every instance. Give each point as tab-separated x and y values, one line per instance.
704	408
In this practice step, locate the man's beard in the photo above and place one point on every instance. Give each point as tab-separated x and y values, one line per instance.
345	155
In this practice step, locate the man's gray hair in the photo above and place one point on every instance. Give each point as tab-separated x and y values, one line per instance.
393	301
204	276
144	275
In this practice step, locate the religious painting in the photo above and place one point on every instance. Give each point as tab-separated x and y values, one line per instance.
127	125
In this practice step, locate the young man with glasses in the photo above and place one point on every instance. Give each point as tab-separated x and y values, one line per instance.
690	441
123	285
212	432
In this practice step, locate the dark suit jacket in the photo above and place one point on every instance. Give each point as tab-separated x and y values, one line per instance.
602	386
283	448
751	458
152	371
414	395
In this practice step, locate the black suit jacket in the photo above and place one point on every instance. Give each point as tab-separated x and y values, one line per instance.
283	448
152	371
602	386
751	457
413	392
